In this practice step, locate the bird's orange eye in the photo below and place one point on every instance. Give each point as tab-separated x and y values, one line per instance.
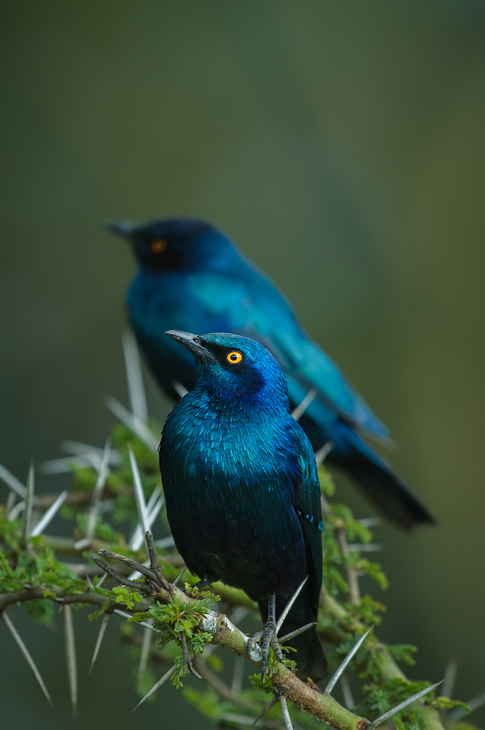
158	245
234	357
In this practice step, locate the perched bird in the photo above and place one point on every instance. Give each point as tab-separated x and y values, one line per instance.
241	487
192	277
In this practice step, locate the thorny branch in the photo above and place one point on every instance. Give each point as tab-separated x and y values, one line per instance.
224	633
342	623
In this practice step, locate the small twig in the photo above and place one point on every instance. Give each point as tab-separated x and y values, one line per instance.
133	564
154	562
187	659
120	578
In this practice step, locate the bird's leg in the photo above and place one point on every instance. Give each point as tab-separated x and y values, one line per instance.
268	636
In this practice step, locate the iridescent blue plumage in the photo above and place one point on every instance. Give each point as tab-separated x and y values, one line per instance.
192	277
241	485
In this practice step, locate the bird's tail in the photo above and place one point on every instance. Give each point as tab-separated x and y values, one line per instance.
376	479
309	657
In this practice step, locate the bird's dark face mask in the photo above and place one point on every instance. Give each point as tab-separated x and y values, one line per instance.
173	244
235	367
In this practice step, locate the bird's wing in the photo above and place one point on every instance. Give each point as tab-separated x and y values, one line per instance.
306	366
250	305
307	502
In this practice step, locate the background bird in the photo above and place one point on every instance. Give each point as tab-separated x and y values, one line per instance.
192	277
241	487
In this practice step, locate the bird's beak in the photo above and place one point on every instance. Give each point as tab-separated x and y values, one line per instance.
121	229
191	342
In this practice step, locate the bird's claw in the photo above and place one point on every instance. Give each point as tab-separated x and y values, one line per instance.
267	638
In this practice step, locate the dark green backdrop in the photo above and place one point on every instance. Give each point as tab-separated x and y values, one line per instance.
342	146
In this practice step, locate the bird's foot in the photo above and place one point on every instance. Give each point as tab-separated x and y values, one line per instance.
268	637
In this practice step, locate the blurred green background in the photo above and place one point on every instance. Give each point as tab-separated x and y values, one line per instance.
342	146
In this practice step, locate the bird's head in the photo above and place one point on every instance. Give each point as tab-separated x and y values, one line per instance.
175	244
236	368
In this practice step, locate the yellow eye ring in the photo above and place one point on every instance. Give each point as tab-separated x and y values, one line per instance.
158	245
234	357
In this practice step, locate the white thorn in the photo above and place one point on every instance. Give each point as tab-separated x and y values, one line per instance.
95	499
154	506
71	656
139	494
285	713
27	516
25	653
49	515
134	377
449	680
289	605
12	482
100	638
145	653
322	453
333	681
237	677
166	676
347	693
473	704
180	389
298	412
139	428
402	705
